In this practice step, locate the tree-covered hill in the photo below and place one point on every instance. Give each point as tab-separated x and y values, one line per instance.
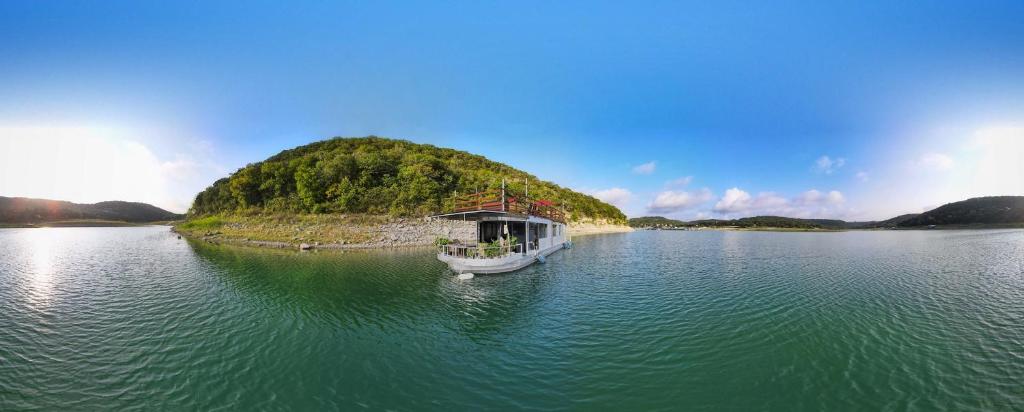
978	210
779	222
746	222
655	221
25	210
375	175
889	223
993	210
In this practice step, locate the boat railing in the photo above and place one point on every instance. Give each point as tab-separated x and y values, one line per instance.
479	251
498	200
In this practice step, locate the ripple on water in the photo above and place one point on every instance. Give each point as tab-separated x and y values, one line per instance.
134	318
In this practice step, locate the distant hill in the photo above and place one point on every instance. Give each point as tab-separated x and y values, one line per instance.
976	211
979	210
24	210
782	222
746	222
655	221
379	176
892	222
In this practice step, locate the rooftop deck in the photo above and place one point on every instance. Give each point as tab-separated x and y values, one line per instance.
503	201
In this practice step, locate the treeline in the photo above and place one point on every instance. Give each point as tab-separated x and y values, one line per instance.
979	210
655	222
992	210
377	176
772	222
660	222
25	210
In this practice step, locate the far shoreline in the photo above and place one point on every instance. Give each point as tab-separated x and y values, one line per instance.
974	226
80	223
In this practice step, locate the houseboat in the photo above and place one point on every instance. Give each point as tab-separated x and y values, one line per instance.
512	232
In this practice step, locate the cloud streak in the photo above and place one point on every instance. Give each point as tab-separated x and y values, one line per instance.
680	182
935	162
828	165
645	169
737	202
671	201
615	196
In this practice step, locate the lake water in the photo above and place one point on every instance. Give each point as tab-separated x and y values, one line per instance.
134	318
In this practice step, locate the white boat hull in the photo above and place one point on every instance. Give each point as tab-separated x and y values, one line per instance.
496	265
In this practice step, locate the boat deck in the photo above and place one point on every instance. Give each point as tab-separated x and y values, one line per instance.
500	264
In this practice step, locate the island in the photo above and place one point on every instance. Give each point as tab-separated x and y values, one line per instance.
368	192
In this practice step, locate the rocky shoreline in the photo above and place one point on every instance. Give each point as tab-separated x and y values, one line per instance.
338	233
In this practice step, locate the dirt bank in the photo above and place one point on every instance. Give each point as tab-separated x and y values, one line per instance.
583	229
344	231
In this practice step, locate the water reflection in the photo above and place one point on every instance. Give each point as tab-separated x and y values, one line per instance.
381	288
41	266
642	321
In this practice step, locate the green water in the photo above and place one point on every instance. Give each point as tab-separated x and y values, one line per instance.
134	318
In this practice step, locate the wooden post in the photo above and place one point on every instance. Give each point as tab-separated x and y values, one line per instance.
503	194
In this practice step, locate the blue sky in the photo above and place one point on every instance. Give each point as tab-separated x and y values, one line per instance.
856	110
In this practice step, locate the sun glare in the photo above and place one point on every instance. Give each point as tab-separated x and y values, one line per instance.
78	164
42	265
999	165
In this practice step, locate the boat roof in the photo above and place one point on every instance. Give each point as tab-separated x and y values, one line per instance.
478	215
501	205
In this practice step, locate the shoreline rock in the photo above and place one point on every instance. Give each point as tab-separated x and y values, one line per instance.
397	233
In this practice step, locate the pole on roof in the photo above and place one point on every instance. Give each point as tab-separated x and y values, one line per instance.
503	194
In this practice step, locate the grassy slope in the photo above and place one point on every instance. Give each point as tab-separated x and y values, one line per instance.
284	227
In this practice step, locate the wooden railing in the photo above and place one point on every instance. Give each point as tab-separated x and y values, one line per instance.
497	200
479	251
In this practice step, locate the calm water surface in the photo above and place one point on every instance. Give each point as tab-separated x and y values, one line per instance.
134	318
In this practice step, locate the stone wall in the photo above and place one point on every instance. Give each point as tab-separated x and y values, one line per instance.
415	232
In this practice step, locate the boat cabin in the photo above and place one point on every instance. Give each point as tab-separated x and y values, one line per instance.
512	231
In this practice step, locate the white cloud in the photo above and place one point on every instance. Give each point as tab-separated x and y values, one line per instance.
680	182
616	196
835	197
671	201
737	200
828	165
863	176
934	162
645	169
810	204
815	197
88	165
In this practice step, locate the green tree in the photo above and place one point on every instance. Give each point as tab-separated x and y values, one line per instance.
376	175
245	185
309	186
